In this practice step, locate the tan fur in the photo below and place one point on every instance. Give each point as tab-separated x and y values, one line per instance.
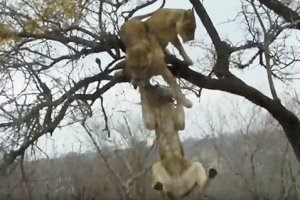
168	23
152	98
145	57
160	114
177	176
139	54
176	187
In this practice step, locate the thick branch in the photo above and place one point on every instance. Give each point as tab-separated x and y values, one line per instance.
221	68
139	7
207	23
285	12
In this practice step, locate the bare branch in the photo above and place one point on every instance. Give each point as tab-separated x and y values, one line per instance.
137	8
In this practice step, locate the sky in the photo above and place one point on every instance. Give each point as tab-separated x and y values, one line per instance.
212	107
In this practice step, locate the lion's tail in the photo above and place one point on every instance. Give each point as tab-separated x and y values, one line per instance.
149	14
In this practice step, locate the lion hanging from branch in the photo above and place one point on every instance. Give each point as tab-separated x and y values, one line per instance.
174	176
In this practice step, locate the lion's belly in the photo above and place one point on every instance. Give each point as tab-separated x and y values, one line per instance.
182	185
151	71
180	191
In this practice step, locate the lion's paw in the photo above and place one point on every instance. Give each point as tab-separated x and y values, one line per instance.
158	186
212	173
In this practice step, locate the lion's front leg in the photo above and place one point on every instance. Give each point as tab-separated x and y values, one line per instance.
160	177
201	177
176	90
177	44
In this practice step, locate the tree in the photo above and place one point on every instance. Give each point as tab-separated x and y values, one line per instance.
30	32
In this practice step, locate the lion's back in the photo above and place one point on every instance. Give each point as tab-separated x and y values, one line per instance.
133	31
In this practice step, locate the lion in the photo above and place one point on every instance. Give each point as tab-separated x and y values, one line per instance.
174	176
168	23
145	58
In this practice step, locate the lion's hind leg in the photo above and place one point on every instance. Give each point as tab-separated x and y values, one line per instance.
202	178
179	117
147	112
176	90
160	177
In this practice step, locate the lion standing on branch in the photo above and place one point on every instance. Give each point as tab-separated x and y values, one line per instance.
146	45
174	176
